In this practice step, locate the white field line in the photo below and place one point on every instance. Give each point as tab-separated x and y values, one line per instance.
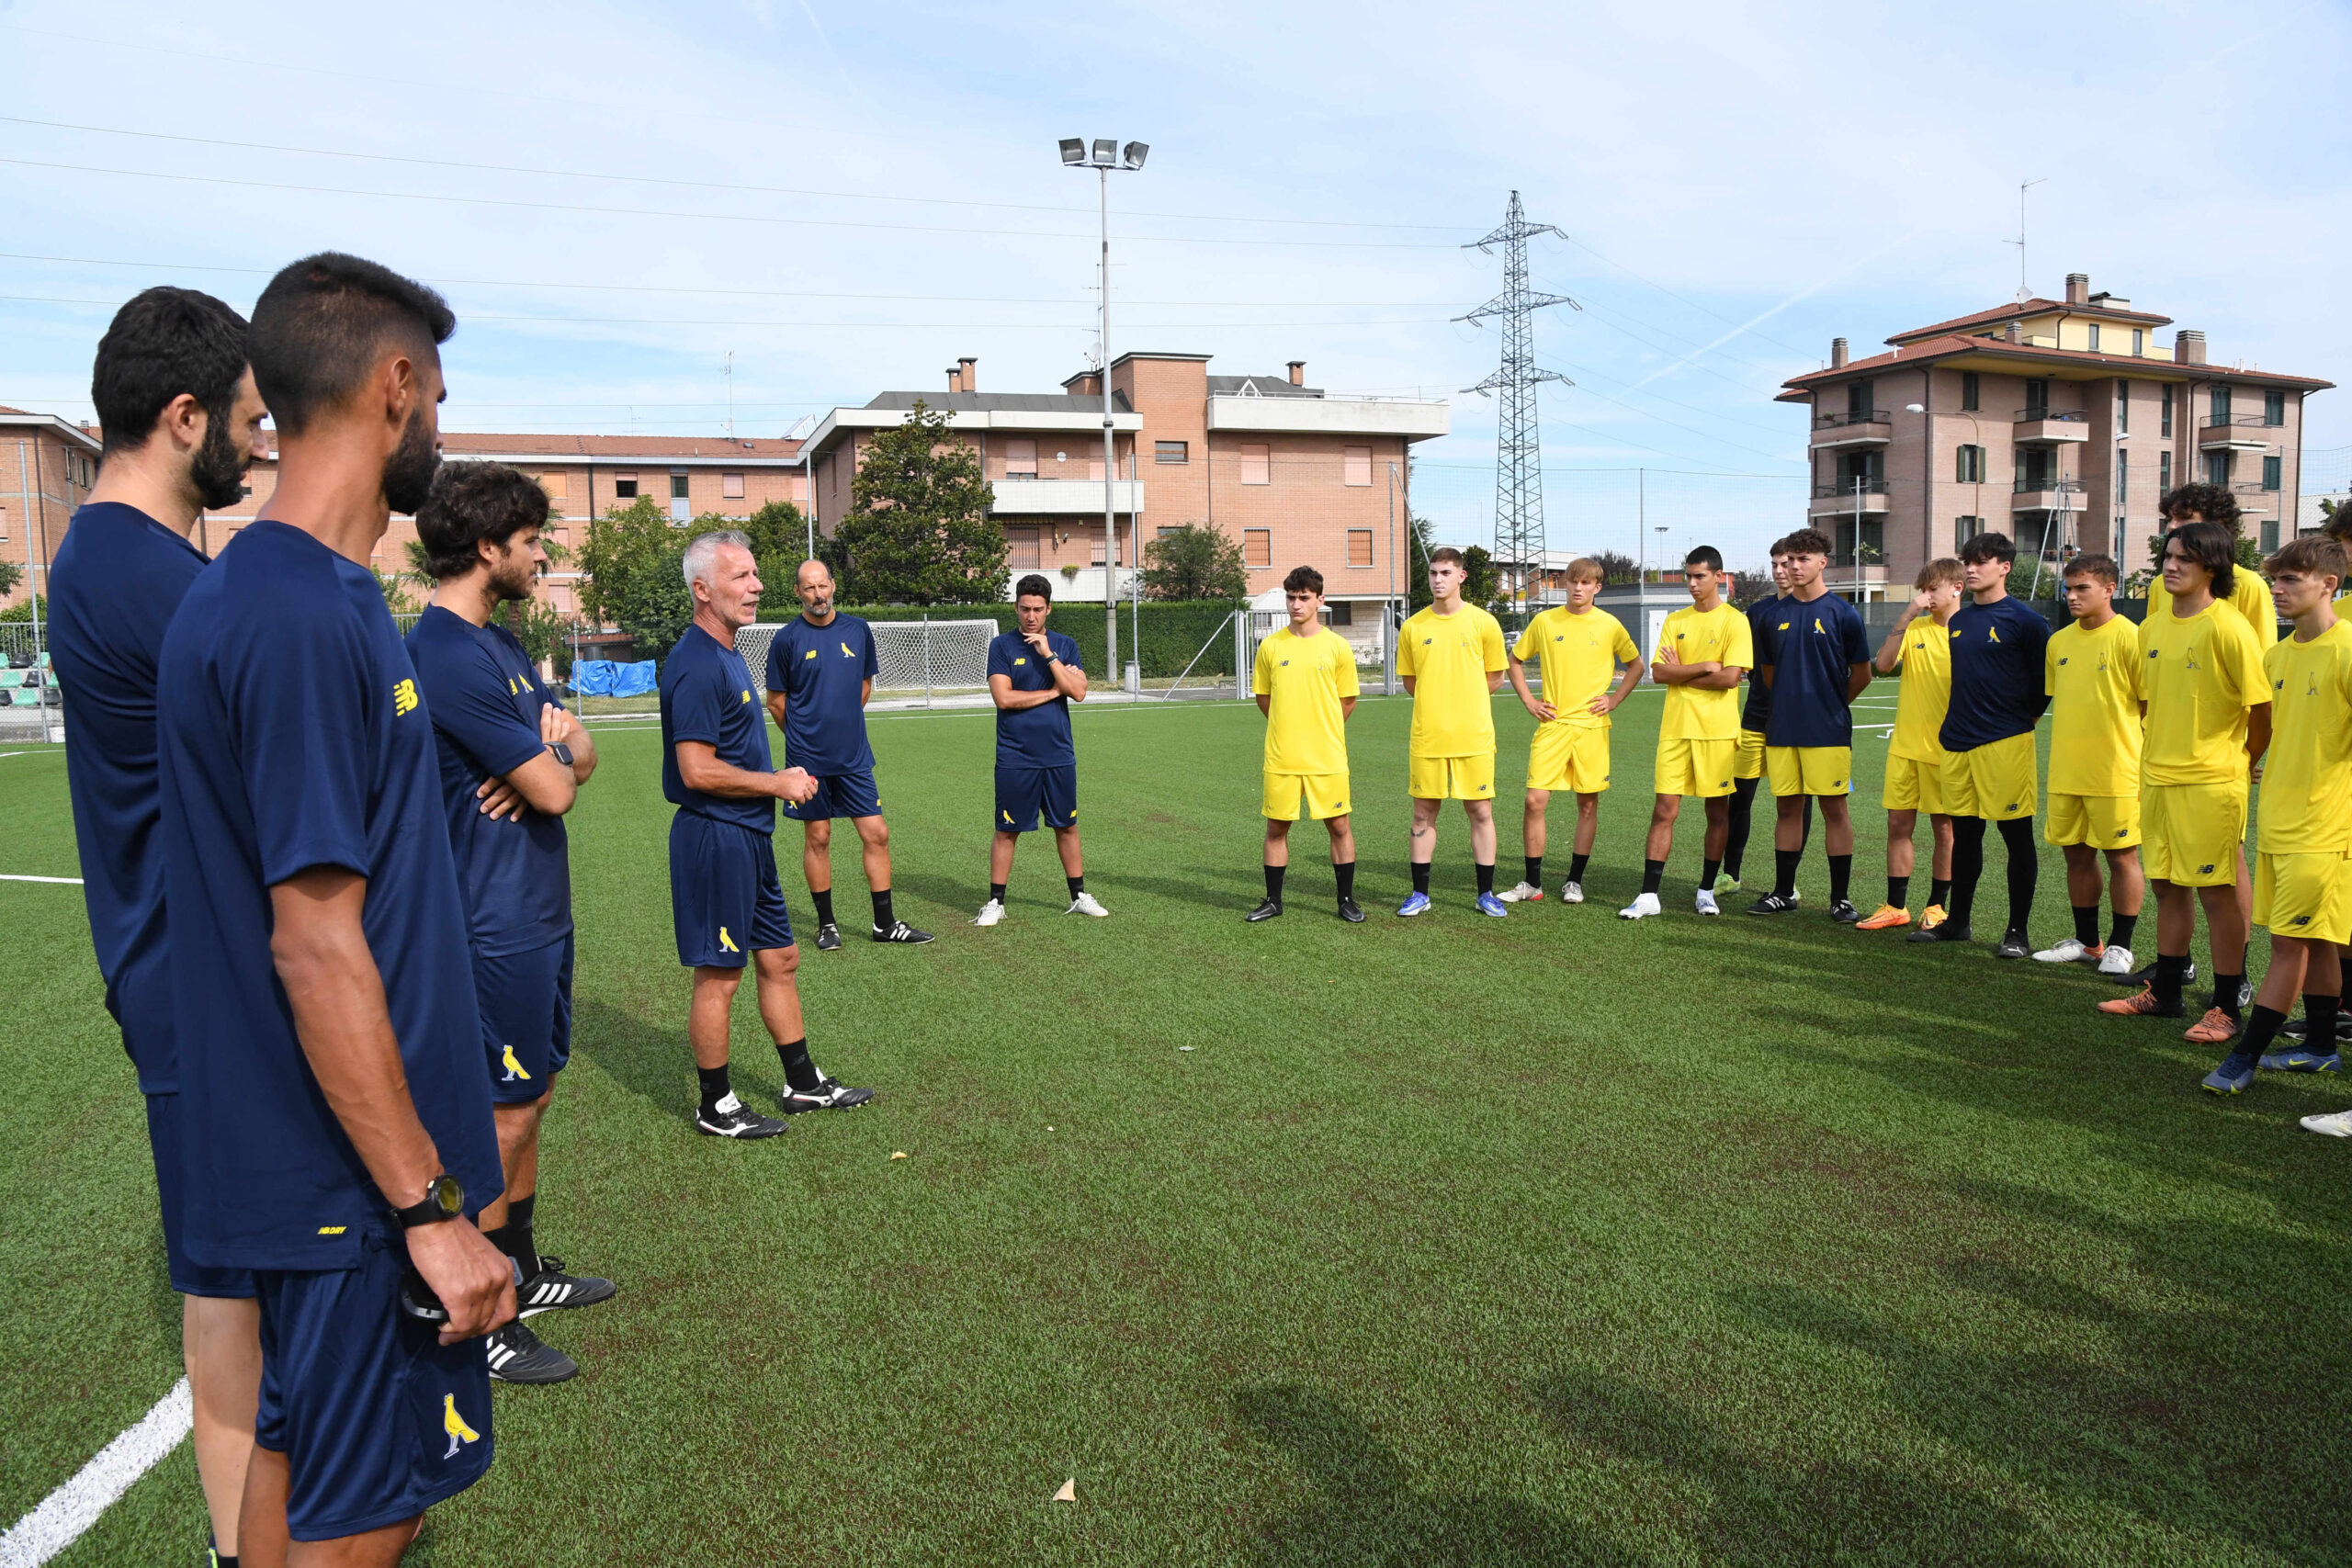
71	881
59	1519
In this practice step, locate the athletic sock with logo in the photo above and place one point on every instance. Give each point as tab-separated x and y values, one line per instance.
883	919
798	1070
715	1087
824	898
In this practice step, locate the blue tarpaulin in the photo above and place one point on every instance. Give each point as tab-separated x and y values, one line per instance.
605	678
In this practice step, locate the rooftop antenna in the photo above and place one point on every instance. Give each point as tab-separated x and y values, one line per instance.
1519	471
2024	293
731	394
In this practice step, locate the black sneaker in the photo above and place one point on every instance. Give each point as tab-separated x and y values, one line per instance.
2013	945
1350	913
2147	975
1266	910
1843	913
1773	904
731	1118
826	1096
1950	930
900	931
552	1288
828	937
517	1355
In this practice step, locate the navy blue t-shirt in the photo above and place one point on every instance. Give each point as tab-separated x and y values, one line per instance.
1997	674
706	697
485	697
293	736
1758	710
1038	737
822	671
1812	648
116	582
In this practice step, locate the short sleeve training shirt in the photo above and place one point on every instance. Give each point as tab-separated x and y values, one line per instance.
1578	657
706	697
515	875
1813	647
1925	658
1449	658
1757	713
2249	596
822	671
1996	677
1038	736
1693	636
2093	679
2307	772
294	737
2200	675
1303	679
118	577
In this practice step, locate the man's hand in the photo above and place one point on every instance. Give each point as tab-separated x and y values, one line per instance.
1603	706
468	1271
1037	640
499	800
1545	712
558	727
795	784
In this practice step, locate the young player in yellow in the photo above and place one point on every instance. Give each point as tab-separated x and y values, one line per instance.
2248	594
1578	650
1306	684
1920	647
2091	670
2209	713
1701	653
1451	656
2302	880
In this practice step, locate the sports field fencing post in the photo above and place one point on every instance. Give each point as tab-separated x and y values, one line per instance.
927	696
1241	650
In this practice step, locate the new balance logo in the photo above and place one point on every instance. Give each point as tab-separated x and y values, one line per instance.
2300	921
404	698
2205	871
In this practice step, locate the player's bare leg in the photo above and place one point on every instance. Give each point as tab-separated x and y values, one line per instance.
816	865
1533	832
1423	850
709	1012
221	1345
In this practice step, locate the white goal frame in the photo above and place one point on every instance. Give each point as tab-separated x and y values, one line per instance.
925	660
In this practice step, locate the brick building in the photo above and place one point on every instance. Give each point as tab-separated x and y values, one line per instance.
47	466
2056	422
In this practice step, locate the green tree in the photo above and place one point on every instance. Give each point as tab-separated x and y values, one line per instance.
1417	563
394	586
1616	568
1482	581
779	534
1194	560
24	611
919	530
632	575
11	575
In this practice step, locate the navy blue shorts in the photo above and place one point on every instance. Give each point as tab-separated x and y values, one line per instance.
725	901
840	794
1023	793
377	1418
526	1004
189	1277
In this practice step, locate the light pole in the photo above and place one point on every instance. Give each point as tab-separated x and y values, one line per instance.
1103	155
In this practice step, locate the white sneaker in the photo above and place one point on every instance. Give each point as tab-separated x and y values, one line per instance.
1524	891
1084	904
2117	961
990	913
2336	1126
2070	951
1641	908
1707	903
1571	892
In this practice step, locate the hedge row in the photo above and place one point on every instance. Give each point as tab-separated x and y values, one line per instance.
1172	632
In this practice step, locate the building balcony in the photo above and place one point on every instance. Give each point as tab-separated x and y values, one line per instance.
2046	495
1868	427
1867	497
1018	496
2256	502
2245	433
2051	426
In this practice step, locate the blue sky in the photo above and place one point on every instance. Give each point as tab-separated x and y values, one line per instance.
848	197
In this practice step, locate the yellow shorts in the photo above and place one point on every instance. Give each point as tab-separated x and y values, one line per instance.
1323	795
1913	785
1561	757
1751	762
2192	833
1696	767
1450	778
1811	770
1999	783
2305	896
2102	821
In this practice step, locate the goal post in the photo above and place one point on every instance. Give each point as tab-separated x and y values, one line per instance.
913	658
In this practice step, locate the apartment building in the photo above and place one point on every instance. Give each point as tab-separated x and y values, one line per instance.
47	466
2056	422
1293	474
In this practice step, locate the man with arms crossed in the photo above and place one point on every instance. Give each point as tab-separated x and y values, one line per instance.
1702	652
1580	648
512	761
2208	717
2092	672
725	901
1033	676
322	996
1305	680
1920	646
1451	656
182	423
1816	659
821	672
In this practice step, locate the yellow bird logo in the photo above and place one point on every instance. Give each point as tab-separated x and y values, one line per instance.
725	943
846	653
455	1425
514	1073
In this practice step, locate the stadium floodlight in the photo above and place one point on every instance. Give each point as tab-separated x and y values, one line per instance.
1103	157
1133	154
1106	151
1073	150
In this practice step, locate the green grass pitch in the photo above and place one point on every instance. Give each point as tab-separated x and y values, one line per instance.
1545	1240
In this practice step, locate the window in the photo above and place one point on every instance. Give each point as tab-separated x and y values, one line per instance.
1965	529
554	485
679	512
2165	423
2037	399
1862	401
1971	466
2122	474
2092	345
1343	614
1357	465
1359	546
2219	410
1096	559
731	487
1021	457
1862	545
624	487
1022	552
2139	342
3	522
2271	474
1971	393
1164	530
2274	408
1256	468
2123	408
2217	469
1171	452
1257	544
2164	470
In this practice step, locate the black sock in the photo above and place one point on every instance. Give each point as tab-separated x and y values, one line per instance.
1708	870
1421	876
1343	872
1939	892
798	1070
2087	925
1076	887
514	1237
2319	1018
996	892
2261	1028
1967	865
2168	978
2225	988
883	919
1576	867
1898	892
1486	879
715	1087
1535	871
1841	877
1743	803
1651	871
1274	882
825	906
2119	933
1784	872
2025	867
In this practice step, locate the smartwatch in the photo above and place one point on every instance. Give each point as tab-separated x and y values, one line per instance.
562	752
444	1200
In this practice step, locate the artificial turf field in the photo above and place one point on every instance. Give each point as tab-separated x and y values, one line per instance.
1553	1239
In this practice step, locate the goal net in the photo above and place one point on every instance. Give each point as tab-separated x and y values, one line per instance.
913	658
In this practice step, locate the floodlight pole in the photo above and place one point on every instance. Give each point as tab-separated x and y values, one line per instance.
1109	456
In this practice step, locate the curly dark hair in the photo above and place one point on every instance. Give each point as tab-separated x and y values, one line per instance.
2214	545
1303	580
1805	542
2215	503
470	502
1032	586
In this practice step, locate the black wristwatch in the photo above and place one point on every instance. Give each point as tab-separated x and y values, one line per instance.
444	1200
562	752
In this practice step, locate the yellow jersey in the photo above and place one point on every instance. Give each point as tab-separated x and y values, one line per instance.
1719	636
1578	656
2198	677
1449	658
2249	596
2093	681
1925	660
2307	772
1307	678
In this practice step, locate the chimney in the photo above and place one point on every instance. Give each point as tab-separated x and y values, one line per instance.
2188	347
2014	332
2078	288
968	366
1299	372
955	380
1836	354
